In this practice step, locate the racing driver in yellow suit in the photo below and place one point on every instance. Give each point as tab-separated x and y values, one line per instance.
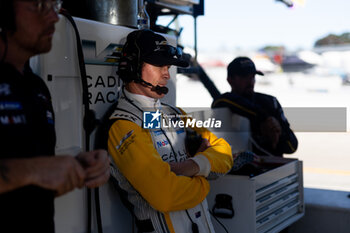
162	185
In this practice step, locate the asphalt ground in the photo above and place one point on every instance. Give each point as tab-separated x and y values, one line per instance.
326	160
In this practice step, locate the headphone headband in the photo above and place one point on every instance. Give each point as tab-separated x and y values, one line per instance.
130	65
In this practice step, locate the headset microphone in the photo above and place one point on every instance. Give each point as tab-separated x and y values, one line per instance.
158	89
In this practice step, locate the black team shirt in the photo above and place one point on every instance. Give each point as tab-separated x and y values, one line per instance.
257	109
26	130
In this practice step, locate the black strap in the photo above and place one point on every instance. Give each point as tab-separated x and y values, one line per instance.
89	121
130	101
144	225
194	225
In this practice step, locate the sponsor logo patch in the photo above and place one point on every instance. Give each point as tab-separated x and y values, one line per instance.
162	143
157	132
43	97
10	105
13	119
124	139
5	89
49	116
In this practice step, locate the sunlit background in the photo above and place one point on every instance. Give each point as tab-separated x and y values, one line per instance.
304	52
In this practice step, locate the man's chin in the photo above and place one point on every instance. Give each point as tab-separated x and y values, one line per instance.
44	47
160	96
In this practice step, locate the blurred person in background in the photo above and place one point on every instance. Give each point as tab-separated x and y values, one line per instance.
270	131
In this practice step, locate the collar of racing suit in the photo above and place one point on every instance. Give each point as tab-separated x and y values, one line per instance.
143	101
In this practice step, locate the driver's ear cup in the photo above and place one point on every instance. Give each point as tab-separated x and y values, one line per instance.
127	68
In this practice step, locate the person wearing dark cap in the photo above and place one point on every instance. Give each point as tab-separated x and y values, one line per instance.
270	129
164	185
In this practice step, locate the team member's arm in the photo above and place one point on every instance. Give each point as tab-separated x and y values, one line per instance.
270	131
188	168
96	165
288	143
133	152
218	154
213	157
61	173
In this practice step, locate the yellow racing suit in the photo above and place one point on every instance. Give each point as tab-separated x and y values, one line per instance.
160	200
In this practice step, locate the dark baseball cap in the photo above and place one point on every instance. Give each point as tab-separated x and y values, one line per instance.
242	66
154	49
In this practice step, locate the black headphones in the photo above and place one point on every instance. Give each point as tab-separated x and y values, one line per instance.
7	16
130	63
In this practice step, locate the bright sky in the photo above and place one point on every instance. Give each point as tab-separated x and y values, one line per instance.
252	24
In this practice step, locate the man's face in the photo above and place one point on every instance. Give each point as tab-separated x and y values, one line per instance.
34	28
242	84
156	75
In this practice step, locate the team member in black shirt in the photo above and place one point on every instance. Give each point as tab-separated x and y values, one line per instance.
270	129
30	176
